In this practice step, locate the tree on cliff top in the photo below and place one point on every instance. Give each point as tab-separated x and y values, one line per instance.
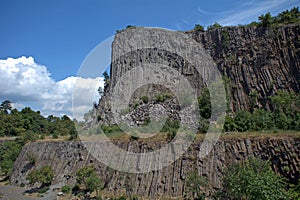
6	106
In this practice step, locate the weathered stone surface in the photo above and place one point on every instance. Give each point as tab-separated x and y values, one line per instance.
254	59
67	157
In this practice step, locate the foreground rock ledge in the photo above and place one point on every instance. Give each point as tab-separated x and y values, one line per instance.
66	157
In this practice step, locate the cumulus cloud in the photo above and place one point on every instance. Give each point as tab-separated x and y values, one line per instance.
25	82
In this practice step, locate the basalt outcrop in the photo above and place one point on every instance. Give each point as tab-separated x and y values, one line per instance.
252	60
67	157
255	62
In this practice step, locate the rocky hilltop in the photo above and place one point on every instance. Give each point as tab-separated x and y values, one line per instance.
254	61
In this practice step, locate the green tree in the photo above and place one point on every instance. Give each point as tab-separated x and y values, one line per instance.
266	20
87	178
6	106
93	183
9	152
44	175
262	120
289	16
229	124
198	27
243	121
214	26
204	104
252	179
106	79
195	184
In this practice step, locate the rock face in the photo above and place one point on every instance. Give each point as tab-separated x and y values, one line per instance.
67	157
254	61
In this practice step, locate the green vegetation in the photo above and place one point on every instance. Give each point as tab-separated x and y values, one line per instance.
87	181
195	184
214	26
291	16
252	179
32	124
31	158
111	129
106	79
171	127
145	99
9	152
28	126
66	189
198	27
225	38
204	104
162	97
44	176
284	116
285	17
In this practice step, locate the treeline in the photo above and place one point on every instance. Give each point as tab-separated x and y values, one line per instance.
27	125
33	124
291	16
285	115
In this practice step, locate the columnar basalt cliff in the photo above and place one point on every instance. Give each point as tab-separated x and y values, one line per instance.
67	157
252	60
258	59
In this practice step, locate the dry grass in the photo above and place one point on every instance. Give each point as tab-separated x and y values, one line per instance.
261	134
162	136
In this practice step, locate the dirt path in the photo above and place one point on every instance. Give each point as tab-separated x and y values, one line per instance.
9	192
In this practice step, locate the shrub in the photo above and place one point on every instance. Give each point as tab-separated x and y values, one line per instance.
145	99
66	189
214	26
252	179
43	190
205	104
203	125
266	20
111	129
44	175
55	135
262	120
229	124
171	127
87	178
195	184
162	97
243	121
9	152
198	27
31	158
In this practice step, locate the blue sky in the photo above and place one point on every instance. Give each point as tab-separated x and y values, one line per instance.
59	34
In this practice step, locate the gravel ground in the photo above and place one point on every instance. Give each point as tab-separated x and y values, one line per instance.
9	192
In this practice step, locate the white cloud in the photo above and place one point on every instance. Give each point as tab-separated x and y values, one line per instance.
25	82
243	12
249	11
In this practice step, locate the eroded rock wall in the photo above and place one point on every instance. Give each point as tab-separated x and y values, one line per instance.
67	157
256	62
258	59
